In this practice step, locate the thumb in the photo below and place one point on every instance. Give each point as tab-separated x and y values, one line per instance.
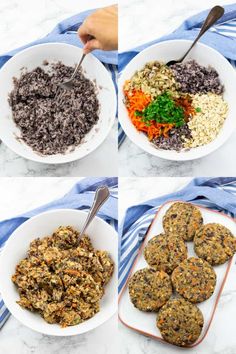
92	45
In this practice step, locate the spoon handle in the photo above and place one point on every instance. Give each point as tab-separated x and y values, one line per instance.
78	66
101	195
214	15
81	60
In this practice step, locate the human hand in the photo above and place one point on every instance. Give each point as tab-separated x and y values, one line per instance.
102	26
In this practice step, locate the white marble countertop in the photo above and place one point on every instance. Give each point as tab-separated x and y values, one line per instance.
221	336
140	22
15	337
23	21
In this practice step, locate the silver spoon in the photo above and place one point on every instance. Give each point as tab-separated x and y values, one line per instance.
101	195
214	15
69	84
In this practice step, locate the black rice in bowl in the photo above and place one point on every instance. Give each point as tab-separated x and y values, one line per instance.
51	119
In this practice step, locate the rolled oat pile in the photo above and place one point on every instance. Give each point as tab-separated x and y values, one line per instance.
207	123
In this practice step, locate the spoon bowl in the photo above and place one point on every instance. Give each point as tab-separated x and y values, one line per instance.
101	195
214	15
69	84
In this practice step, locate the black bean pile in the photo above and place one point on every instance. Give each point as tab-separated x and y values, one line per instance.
194	78
175	139
53	120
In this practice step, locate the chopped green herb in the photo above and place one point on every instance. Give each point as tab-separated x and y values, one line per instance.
138	113
198	109
163	110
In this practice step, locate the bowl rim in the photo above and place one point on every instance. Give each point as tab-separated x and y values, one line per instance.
6	251
182	156
45	159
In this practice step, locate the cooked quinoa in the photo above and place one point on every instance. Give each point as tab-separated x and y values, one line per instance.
51	119
206	124
62	279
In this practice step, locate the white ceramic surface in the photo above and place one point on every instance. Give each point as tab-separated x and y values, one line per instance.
68	55
102	236
204	55
146	322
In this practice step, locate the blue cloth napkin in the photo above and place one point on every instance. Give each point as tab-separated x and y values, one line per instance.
80	197
66	32
214	193
221	37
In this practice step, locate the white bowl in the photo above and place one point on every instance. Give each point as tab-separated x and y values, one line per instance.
68	55
103	237
204	55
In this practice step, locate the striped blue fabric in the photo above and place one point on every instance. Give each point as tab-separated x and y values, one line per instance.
66	32
221	37
214	193
80	197
113	69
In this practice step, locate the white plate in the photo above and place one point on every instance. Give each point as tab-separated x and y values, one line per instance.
103	237
144	322
68	55
166	51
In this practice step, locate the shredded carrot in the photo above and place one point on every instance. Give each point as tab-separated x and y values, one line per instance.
136	100
161	321
186	104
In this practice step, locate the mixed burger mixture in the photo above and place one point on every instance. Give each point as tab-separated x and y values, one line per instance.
62	279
